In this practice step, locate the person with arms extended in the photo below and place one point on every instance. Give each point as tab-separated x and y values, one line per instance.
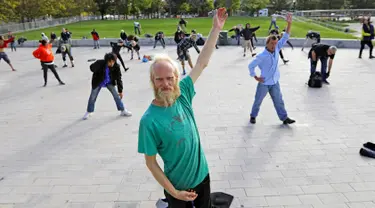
311	36
268	81
3	55
247	34
116	47
168	128
45	55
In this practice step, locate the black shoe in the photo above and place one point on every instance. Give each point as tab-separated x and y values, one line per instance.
61	83
371	57
254	54
359	56
45	84
288	121
252	120
65	66
244	55
126	69
326	82
286	61
367	153
370	146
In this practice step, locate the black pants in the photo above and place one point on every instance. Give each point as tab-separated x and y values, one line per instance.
203	199
281	55
45	70
120	58
363	43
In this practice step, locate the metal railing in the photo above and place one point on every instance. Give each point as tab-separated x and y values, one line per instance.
20	27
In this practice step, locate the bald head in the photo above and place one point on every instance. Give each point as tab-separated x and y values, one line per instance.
164	77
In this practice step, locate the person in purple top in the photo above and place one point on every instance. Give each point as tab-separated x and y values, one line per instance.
106	73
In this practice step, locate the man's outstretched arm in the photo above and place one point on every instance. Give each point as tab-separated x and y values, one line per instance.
205	55
285	37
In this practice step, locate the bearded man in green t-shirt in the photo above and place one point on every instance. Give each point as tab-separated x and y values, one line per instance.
168	128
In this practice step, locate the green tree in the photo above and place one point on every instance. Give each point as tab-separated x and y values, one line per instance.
184	8
103	6
278	5
257	5
8	10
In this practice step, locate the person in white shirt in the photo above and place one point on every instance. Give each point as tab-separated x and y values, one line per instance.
137	28
273	21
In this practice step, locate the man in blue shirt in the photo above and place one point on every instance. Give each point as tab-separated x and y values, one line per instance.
268	81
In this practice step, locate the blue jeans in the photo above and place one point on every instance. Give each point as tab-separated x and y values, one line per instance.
276	96
96	44
273	23
323	71
94	94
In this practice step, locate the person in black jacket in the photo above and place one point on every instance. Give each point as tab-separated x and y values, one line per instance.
247	33
124	38
367	37
237	30
106	73
178	35
159	36
116	47
313	36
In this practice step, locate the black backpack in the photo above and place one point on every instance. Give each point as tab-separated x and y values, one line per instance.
315	80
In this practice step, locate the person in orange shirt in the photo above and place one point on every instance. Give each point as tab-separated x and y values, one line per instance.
3	55
45	55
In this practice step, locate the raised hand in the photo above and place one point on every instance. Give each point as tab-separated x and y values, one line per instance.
220	16
289	18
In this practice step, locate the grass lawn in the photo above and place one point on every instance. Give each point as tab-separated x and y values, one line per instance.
112	28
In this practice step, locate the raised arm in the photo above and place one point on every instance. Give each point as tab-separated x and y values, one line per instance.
285	37
205	55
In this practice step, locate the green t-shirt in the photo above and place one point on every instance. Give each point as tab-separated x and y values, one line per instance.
173	134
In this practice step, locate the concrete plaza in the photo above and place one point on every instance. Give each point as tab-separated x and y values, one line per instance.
50	158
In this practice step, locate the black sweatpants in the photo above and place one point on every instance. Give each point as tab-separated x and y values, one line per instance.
203	199
366	42
120	58
45	72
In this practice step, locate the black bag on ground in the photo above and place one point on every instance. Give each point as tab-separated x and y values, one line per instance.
221	200
315	80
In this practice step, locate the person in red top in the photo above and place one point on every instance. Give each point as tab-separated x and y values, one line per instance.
45	55
3	55
95	37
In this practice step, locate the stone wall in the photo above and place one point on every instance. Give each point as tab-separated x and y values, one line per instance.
297	42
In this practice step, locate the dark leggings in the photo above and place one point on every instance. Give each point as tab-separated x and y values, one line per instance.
120	58
281	54
289	43
363	43
45	70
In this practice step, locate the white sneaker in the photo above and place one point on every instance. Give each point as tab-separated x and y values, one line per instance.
161	204
87	115
126	113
